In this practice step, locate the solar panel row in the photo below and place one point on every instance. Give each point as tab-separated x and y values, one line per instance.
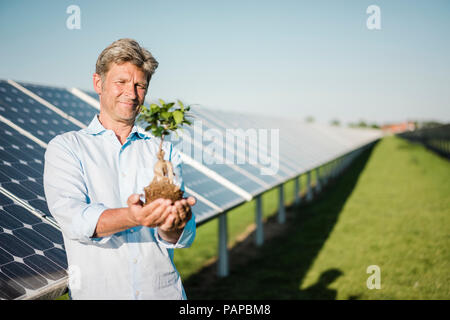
32	256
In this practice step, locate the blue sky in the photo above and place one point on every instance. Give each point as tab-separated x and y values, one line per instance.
284	58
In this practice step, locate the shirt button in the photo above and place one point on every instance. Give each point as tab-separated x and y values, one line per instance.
134	261
137	293
123	174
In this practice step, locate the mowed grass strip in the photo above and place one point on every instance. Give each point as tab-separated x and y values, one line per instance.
390	209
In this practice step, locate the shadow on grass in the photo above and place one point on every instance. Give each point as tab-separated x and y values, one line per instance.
277	268
411	144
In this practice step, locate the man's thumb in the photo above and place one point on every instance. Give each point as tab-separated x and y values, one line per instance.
191	201
134	199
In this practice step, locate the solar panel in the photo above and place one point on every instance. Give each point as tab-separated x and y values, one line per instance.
225	120
210	189
241	175
32	254
31	115
64	100
241	152
22	168
298	146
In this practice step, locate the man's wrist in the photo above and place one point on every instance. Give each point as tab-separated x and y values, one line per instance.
170	236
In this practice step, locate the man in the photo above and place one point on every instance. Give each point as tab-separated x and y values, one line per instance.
116	247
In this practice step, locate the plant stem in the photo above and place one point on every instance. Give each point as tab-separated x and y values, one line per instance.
160	144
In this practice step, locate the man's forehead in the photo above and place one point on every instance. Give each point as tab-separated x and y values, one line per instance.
124	68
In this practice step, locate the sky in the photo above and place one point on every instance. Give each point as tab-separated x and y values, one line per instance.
276	58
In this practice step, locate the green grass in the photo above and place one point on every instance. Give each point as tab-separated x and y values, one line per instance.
391	209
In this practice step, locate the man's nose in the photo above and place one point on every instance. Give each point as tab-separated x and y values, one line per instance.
130	91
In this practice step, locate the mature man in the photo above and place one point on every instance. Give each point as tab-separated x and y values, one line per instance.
116	247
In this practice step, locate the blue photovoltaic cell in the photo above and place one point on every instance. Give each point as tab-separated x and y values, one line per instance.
32	252
30	115
65	101
209	189
22	168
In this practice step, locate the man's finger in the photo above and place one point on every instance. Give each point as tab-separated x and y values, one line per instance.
154	204
160	220
154	210
168	224
191	201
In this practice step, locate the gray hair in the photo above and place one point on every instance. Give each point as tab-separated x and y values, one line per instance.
126	50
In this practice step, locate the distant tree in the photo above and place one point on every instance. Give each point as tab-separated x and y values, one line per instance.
310	119
362	124
335	122
374	126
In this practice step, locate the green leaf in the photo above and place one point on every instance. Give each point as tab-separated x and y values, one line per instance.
166	115
181	105
178	116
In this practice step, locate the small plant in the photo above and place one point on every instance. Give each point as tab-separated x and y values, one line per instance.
162	120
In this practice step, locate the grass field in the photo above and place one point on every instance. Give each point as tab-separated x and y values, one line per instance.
391	209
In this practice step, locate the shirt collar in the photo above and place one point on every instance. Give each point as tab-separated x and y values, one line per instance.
95	127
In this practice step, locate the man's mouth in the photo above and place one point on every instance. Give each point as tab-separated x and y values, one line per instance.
130	104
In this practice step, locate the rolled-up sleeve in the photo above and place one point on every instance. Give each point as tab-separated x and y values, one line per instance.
184	241
67	195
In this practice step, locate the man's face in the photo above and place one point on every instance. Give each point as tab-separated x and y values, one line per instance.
122	92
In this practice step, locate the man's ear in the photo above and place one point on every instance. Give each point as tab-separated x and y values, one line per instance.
97	81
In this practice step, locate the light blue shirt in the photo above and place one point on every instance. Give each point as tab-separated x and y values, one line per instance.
89	171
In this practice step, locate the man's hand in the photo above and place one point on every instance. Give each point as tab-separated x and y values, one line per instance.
160	213
180	214
151	215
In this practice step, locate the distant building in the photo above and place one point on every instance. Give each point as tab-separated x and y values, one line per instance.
398	127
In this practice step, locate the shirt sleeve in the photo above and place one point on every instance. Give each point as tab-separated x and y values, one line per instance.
184	241
67	194
188	235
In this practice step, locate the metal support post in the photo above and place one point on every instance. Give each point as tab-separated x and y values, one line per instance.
223	269
259	233
318	182
297	198
281	209
309	195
